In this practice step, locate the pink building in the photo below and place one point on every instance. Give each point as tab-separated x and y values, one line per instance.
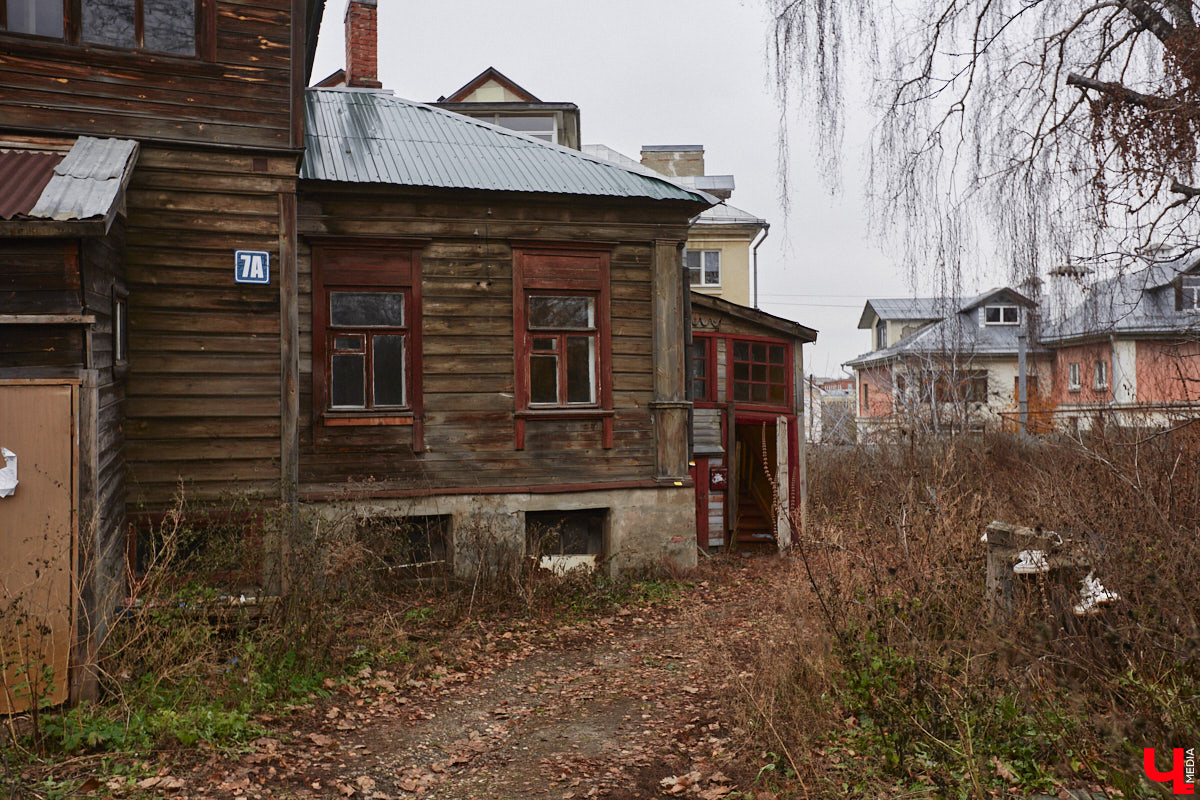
1131	347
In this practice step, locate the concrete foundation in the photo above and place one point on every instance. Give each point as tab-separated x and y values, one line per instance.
643	527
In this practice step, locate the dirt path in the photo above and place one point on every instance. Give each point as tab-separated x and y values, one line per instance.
626	706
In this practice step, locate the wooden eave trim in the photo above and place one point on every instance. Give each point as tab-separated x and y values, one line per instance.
491	73
469	194
53	228
47	319
754	316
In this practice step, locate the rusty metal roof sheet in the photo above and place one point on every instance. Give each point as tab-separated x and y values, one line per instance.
358	136
88	181
23	176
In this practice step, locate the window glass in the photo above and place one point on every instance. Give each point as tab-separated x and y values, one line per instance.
563	313
543	378
537	127
581	369
700	369
760	373
170	26
110	22
388	366
703	266
39	17
366	309
691	260
712	267
1002	315
348	389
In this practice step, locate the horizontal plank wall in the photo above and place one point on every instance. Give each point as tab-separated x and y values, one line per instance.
204	381
238	96
468	368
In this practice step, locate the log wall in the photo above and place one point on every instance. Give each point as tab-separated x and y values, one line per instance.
468	380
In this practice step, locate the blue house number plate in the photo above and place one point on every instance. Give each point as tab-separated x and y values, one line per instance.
251	266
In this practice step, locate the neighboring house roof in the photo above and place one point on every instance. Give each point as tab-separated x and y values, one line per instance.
1133	303
490	74
752	315
1007	294
903	308
958	332
725	214
24	174
371	136
84	184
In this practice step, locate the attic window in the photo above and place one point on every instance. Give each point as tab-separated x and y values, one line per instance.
1191	293
1001	315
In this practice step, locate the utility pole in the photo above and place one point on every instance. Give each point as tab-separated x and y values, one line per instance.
1022	391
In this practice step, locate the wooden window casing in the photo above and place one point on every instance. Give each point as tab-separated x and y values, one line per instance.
383	266
561	269
704	369
73	36
759	372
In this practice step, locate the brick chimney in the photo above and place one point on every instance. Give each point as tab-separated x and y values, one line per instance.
674	160
362	41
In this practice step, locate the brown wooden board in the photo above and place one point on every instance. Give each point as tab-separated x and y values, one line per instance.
37	540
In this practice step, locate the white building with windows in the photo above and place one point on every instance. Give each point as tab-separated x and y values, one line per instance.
940	364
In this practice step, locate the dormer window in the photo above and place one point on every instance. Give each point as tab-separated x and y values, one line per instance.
1190	299
1001	315
880	335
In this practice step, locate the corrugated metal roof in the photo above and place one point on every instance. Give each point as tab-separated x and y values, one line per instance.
356	136
88	181
23	176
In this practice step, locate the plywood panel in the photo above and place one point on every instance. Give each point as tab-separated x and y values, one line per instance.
36	544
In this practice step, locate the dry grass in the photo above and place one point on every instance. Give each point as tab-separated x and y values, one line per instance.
895	673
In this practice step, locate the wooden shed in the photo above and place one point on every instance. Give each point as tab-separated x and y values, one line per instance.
63	357
747	372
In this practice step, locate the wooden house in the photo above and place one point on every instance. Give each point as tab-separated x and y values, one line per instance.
435	317
529	303
747	373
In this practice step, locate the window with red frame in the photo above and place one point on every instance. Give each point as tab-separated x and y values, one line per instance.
760	373
562	341
701	380
366	332
367	342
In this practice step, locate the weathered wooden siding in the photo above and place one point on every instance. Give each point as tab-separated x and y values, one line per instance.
240	98
468	380
204	382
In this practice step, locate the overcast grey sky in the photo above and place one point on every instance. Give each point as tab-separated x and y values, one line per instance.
662	72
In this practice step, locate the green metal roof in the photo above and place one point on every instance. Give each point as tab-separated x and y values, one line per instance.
370	136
